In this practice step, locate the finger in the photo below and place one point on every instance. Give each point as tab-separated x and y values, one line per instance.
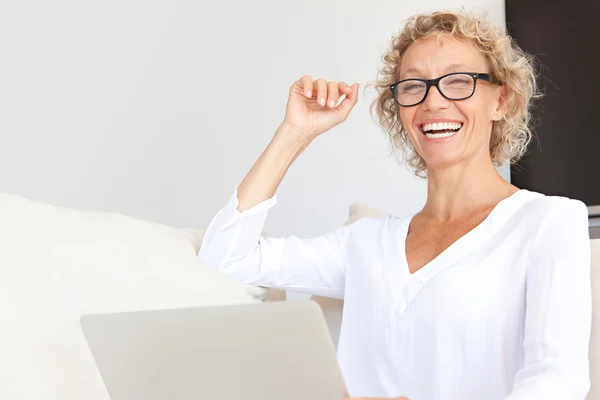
307	83
321	88
332	94
304	84
348	103
344	88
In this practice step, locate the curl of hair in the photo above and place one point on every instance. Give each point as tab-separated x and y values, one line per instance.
512	67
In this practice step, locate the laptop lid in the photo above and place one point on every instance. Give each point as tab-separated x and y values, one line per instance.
259	351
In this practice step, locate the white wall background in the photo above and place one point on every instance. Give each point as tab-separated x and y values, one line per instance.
157	108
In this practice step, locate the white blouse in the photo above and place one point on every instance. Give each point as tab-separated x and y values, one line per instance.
503	313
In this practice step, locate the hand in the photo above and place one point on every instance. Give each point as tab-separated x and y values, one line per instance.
313	108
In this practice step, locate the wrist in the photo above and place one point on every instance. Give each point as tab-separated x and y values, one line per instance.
292	137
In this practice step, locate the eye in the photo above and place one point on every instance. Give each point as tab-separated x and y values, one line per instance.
412	87
460	80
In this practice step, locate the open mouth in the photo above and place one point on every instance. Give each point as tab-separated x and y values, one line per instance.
439	130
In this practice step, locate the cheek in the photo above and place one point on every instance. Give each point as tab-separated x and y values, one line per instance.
479	119
482	108
407	117
475	112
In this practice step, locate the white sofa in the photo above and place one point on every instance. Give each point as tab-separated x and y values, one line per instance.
57	264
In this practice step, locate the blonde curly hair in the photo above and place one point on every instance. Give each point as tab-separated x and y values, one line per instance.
512	67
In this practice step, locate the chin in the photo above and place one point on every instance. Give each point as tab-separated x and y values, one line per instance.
443	152
440	161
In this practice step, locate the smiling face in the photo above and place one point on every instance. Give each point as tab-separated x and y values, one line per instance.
445	132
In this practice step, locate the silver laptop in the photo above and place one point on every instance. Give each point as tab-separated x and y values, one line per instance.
263	351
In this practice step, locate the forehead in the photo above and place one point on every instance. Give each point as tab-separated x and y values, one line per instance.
440	54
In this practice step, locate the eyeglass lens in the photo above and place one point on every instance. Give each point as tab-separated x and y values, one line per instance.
454	87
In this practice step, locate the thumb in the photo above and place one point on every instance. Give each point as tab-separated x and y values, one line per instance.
349	102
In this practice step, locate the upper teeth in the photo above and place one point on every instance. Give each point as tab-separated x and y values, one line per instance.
441	126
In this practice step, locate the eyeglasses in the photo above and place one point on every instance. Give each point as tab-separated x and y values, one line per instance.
454	86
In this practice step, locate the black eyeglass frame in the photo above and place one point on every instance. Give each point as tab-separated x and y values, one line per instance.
435	82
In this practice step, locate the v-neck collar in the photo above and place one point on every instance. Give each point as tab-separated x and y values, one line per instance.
404	286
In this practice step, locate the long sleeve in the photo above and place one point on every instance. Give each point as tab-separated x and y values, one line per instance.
558	314
233	244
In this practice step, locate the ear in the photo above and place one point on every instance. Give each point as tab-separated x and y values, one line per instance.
501	108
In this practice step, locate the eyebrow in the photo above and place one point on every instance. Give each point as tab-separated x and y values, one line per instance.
451	67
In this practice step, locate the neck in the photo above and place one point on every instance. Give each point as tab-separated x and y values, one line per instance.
458	190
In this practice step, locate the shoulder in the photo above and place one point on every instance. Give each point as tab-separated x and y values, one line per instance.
538	211
375	227
370	233
551	212
560	227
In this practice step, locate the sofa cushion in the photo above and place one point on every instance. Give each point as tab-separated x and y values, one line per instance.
361	210
57	264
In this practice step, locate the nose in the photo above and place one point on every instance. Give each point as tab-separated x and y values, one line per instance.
434	99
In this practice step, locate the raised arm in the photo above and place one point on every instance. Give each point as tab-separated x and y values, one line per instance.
233	242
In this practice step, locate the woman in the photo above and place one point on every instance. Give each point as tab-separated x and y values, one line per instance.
483	294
